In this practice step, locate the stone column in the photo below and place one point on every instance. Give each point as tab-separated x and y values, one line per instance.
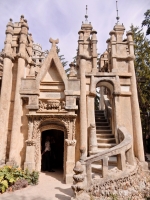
83	114
91	120
94	50
113	50
16	125
101	102
30	155
137	129
6	91
116	115
70	160
92	139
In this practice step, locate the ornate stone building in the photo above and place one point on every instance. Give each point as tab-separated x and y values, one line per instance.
38	98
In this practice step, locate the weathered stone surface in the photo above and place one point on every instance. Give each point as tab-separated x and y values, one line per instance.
37	95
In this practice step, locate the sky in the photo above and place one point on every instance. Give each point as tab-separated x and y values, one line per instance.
63	19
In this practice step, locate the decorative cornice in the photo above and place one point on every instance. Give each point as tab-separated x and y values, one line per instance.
9	31
8	55
82	56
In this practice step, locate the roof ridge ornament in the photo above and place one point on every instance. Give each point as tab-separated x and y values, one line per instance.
117	12
54	42
86	16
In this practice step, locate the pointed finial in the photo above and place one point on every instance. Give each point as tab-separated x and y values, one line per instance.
86	16
117	12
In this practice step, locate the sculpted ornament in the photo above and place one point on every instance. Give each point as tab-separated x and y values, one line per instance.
70	142
51	105
65	122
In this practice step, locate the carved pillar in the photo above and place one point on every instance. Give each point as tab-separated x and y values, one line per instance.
90	118
137	129
30	155
101	102
104	167
121	161
70	160
83	113
14	154
6	91
94	50
92	138
113	50
116	114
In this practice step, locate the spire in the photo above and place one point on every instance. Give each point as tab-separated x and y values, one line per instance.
117	12
86	16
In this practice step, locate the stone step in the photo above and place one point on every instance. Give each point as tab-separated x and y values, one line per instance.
103	128
99	115
106	140
104	135
99	111
104	145
100	120
103	131
102	123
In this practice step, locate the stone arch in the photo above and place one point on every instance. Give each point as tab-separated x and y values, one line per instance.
39	123
111	82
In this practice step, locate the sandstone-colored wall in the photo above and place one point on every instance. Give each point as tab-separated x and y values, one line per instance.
23	136
125	113
13	88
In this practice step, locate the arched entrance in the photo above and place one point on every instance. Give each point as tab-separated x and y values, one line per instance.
64	124
56	151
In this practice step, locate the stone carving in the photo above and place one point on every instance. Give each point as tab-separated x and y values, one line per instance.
37	128
30	142
70	142
51	105
78	177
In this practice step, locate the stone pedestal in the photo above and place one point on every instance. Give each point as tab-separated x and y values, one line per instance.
83	113
92	138
70	160
30	155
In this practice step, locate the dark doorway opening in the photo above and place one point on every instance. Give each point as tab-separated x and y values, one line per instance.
57	147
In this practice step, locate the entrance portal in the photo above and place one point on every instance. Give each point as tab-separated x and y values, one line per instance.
57	148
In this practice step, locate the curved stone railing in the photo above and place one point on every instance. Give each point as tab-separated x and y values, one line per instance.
123	151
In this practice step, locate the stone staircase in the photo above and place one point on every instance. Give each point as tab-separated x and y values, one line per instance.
105	140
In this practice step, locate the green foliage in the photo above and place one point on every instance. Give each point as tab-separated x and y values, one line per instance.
10	175
114	197
146	21
61	57
142	66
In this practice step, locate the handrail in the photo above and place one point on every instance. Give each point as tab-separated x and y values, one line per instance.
122	150
125	144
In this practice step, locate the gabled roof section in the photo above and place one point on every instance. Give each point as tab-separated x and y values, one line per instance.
51	59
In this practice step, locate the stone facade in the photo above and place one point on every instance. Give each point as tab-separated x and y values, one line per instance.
37	95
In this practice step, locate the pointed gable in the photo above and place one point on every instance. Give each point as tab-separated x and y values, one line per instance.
52	74
52	68
52	79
